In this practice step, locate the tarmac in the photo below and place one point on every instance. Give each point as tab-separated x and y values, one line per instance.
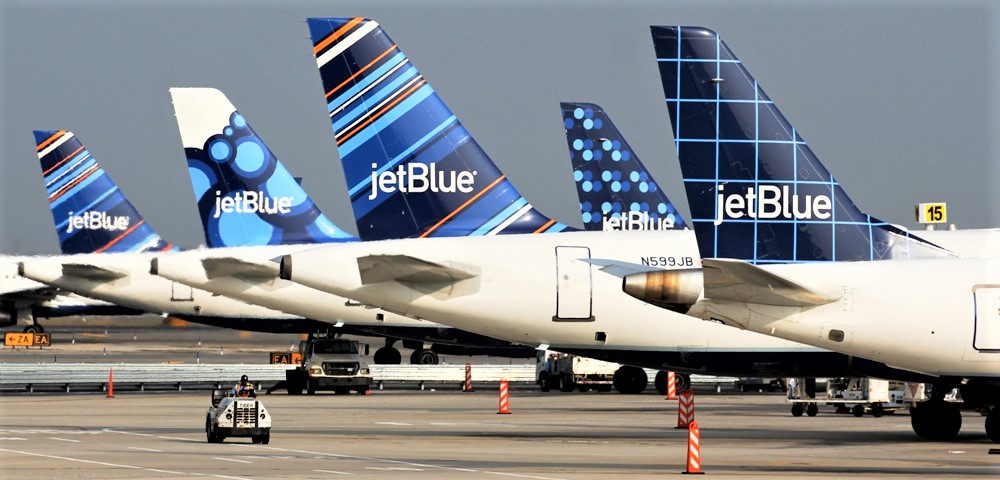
450	434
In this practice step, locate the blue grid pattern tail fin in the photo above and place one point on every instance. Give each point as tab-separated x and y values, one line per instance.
615	190
91	214
245	195
412	169
755	189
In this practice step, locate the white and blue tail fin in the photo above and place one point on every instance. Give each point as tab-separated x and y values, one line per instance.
412	169
616	191
756	191
91	214
245	195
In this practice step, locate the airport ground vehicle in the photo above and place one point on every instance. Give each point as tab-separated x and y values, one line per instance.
853	395
329	363
566	372
231	416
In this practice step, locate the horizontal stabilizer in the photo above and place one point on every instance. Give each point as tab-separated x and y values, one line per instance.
91	272
220	267
618	268
739	281
407	270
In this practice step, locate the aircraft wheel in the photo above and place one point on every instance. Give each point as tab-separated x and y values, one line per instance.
387	356
34	328
424	357
660	382
630	380
993	425
936	420
797	409
812	410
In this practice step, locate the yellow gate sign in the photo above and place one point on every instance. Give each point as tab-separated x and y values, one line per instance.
932	212
12	339
293	358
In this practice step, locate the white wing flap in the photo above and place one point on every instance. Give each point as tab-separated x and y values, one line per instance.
219	267
739	281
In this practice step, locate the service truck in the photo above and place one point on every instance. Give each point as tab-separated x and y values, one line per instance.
566	372
329	363
232	416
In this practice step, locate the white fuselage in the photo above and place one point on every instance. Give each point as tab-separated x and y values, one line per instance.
135	288
939	317
532	289
275	293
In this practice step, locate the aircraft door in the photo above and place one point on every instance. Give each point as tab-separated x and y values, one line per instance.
573	285
987	333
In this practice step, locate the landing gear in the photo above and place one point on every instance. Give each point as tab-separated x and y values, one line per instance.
936	419
993	425
630	380
387	355
34	328
423	357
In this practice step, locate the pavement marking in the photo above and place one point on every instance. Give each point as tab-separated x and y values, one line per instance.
157	470
232	460
69	459
64	439
146	449
12	438
115	465
343	456
394	423
332	471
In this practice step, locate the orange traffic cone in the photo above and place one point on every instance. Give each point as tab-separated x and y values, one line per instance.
111	383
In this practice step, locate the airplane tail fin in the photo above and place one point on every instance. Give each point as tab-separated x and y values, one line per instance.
756	190
616	191
91	214
245	195
412	169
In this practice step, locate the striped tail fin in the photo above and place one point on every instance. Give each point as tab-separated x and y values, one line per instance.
245	195
412	169
616	191
90	213
757	192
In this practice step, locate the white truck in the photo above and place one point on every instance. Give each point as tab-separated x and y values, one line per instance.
567	372
329	363
855	395
231	416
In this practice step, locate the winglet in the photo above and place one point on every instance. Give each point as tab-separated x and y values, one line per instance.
245	195
616	191
91	214
412	168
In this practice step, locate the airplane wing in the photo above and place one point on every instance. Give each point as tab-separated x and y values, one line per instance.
409	270
739	281
91	272
618	268
217	267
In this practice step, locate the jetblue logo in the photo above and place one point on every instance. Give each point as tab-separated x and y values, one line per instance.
636	221
770	202
418	177
251	202
96	221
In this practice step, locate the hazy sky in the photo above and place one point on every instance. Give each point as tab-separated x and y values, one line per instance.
898	99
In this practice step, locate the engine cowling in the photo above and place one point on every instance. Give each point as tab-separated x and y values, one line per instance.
674	290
